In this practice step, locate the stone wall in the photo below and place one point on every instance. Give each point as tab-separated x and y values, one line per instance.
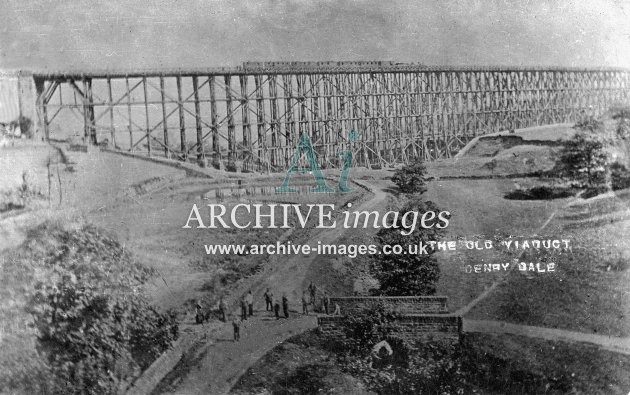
423	317
165	363
401	304
413	328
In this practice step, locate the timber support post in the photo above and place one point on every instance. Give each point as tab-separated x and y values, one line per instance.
42	108
398	111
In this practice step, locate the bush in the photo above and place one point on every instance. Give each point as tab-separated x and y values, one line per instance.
583	158
541	192
366	328
432	368
619	176
594	191
97	341
411	178
95	330
20	197
622	116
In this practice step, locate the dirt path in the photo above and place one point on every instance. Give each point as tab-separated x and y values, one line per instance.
214	367
615	344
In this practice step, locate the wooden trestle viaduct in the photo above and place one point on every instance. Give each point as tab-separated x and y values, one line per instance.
250	117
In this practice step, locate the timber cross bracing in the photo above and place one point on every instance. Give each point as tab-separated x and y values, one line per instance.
251	117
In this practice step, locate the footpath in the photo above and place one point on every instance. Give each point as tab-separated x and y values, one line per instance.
609	343
207	361
214	366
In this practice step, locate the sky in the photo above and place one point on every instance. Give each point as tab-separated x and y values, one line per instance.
116	34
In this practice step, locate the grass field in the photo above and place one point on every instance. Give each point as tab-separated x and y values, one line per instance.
590	290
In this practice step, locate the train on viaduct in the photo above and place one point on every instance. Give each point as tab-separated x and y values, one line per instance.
251	117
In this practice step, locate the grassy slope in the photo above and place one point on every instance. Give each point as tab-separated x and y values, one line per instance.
589	292
479	211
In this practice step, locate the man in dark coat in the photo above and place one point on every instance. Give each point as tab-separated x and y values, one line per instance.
276	309
243	309
199	313
222	309
312	289
268	300
304	303
236	324
249	298
285	305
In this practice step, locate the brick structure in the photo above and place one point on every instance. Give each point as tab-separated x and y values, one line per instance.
424	318
413	328
402	304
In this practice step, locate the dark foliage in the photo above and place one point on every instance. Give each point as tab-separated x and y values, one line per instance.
594	191
411	178
542	192
622	115
589	124
445	368
620	176
583	157
366	328
95	329
407	274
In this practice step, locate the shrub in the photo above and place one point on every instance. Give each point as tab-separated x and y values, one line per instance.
594	191
541	192
432	368
20	197
411	178
622	116
583	158
589	124
95	330
365	328
619	176
26	126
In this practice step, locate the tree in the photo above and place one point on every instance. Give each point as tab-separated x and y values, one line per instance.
95	330
622	115
97	341
413	273
411	178
583	158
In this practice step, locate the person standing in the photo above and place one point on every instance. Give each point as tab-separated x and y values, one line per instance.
222	309
250	302
276	308
285	305
236	324
199	313
326	302
304	303
243	309
313	291
268	300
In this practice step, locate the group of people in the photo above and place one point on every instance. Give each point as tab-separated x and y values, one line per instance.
247	309
309	297
272	304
